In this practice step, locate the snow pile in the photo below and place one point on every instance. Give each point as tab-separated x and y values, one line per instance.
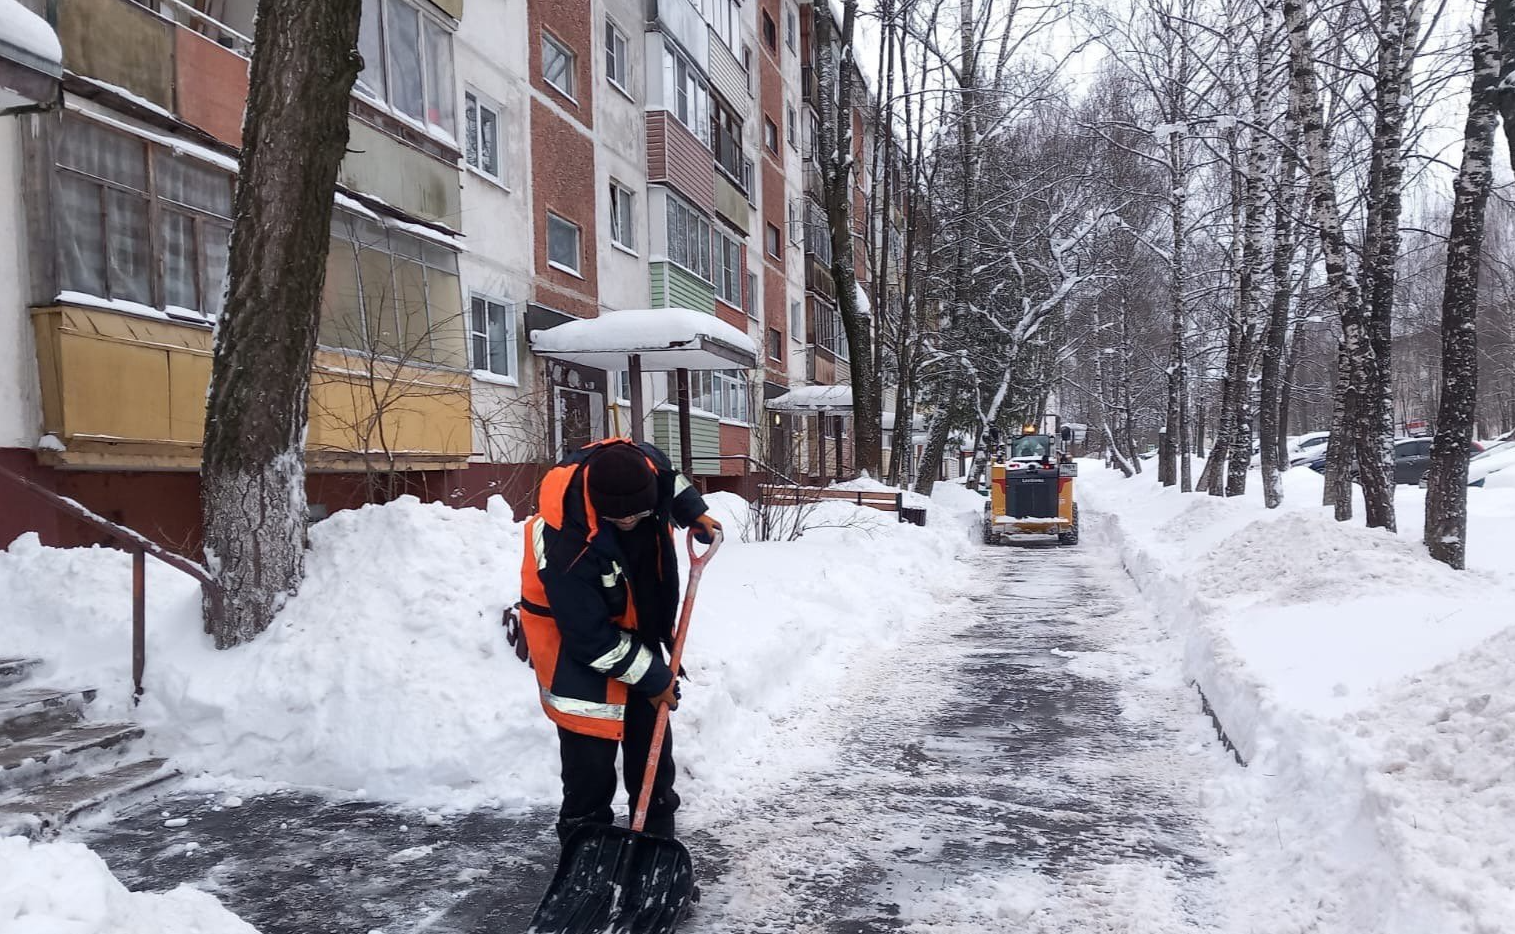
64	888
639	330
389	675
866	484
22	29
1364	683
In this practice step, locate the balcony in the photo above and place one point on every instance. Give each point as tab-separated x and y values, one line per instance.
178	60
128	392
818	278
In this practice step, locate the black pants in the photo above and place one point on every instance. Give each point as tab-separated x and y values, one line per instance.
589	778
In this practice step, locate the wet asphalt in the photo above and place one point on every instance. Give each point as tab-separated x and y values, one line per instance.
976	759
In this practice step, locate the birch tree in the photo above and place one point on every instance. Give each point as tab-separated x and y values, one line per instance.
1446	524
253	470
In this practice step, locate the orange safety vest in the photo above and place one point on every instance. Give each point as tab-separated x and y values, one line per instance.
573	695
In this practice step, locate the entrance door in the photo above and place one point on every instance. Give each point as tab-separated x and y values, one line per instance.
580	418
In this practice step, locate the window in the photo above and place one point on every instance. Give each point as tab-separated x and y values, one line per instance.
726	132
791	128
557	65
795	227
728	270
392	294
685	95
723	394
775	345
617	66
829	332
796	319
562	243
747	65
770	135
113	189
622	220
750	306
688	238
481	136
817	232
791	28
725	19
770	32
407	62
773	243
492	336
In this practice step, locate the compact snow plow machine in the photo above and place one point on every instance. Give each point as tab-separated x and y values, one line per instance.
1031	488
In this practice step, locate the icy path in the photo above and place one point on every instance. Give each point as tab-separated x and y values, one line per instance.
1035	768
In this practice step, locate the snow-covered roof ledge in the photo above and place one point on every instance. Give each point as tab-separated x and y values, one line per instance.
813	399
663	338
31	59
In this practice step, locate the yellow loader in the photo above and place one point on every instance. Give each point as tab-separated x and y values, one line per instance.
1031	489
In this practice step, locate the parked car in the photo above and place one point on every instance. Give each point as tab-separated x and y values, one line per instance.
1308	447
1495	459
1412	458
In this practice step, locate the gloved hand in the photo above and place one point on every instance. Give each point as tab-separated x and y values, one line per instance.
705	528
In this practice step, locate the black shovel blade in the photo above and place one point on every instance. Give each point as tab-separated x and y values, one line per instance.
611	880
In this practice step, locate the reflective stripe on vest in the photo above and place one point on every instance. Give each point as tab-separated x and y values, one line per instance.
582	708
610	659
539	541
638	667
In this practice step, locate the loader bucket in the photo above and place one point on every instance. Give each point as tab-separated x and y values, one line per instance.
616	881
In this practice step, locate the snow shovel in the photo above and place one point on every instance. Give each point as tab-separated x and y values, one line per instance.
621	881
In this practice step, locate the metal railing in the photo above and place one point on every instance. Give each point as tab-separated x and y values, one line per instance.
139	547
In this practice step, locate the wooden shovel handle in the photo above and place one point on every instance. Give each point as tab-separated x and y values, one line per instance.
660	728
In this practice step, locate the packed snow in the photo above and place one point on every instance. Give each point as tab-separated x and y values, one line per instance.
25	30
656	334
1366	685
64	888
388	673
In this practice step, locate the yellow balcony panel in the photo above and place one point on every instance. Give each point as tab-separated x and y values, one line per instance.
128	392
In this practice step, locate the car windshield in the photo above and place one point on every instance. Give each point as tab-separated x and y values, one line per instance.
1031	446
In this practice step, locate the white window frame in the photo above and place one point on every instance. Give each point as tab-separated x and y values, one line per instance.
723	248
797	321
623	217
778	241
483	102
791	127
750	297
382	92
578	245
695	233
770	125
549	41
681	79
791	26
486	368
617	65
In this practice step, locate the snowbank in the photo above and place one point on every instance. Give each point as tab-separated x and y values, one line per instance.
1358	678
388	674
866	484
64	888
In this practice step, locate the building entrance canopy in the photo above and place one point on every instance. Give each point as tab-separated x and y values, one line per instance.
650	340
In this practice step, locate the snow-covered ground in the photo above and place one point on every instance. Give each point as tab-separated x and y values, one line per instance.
1367	686
64	888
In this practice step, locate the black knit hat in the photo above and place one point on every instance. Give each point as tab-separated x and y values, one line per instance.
621	483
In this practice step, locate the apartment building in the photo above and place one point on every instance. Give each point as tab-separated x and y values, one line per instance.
513	165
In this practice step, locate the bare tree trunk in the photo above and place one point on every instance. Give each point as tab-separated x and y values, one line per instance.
1346	294
1272	393
1174	440
1446	528
1338	489
838	168
1374	423
253	473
